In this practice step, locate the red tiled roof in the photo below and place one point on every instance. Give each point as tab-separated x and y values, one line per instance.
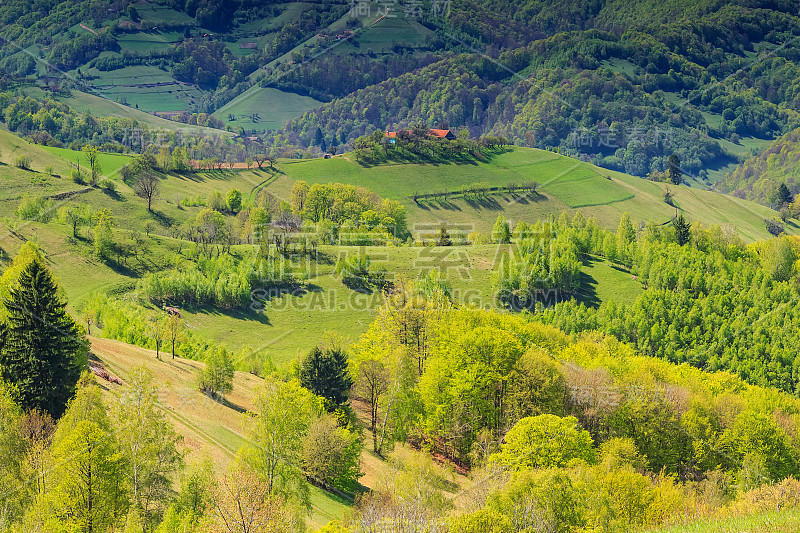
439	133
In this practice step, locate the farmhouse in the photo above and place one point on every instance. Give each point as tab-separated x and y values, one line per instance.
441	134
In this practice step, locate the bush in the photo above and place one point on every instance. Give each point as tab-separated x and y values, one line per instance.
216	378
773	226
77	177
234	200
35	208
330	454
545	441
108	185
23	162
217	202
49	170
478	239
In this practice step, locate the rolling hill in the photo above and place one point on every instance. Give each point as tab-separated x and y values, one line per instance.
565	185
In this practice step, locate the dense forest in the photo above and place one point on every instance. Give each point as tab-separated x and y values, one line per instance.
703	292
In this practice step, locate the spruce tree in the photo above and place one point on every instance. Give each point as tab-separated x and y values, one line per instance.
43	350
325	374
682	230
674	169
784	195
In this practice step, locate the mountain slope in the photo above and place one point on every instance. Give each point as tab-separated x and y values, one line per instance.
758	177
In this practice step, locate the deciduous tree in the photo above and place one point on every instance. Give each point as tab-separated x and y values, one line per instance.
147	186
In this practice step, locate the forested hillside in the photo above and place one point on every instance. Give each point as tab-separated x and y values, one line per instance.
759	178
623	86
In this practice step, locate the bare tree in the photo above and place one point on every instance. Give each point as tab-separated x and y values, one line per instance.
158	331
174	329
372	384
147	186
243	504
287	223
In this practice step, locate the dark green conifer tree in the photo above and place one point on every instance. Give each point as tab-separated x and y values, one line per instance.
682	230
43	349
674	169
325	374
784	195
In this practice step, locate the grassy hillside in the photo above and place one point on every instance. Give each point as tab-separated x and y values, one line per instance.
210	429
274	109
786	521
565	185
290	325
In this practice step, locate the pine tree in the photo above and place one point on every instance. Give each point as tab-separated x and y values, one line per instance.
674	169
325	374
784	195
682	230
44	349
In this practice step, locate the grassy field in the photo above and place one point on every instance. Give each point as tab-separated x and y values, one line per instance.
145	42
110	163
787	521
274	108
380	37
149	88
290	325
603	282
156	12
17	181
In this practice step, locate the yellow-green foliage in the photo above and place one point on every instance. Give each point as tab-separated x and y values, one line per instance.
545	441
672	443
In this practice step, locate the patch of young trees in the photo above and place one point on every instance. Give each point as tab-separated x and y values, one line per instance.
686	312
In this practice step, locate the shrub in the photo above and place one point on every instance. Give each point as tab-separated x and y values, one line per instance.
216	201
216	378
545	441
49	170
23	161
773	226
77	177
35	208
234	200
108	185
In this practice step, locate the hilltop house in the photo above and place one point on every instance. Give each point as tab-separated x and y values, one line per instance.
442	134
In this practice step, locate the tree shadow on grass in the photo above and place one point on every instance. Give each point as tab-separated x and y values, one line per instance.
114	195
164	219
222	400
587	291
524	199
121	269
242	313
484	202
